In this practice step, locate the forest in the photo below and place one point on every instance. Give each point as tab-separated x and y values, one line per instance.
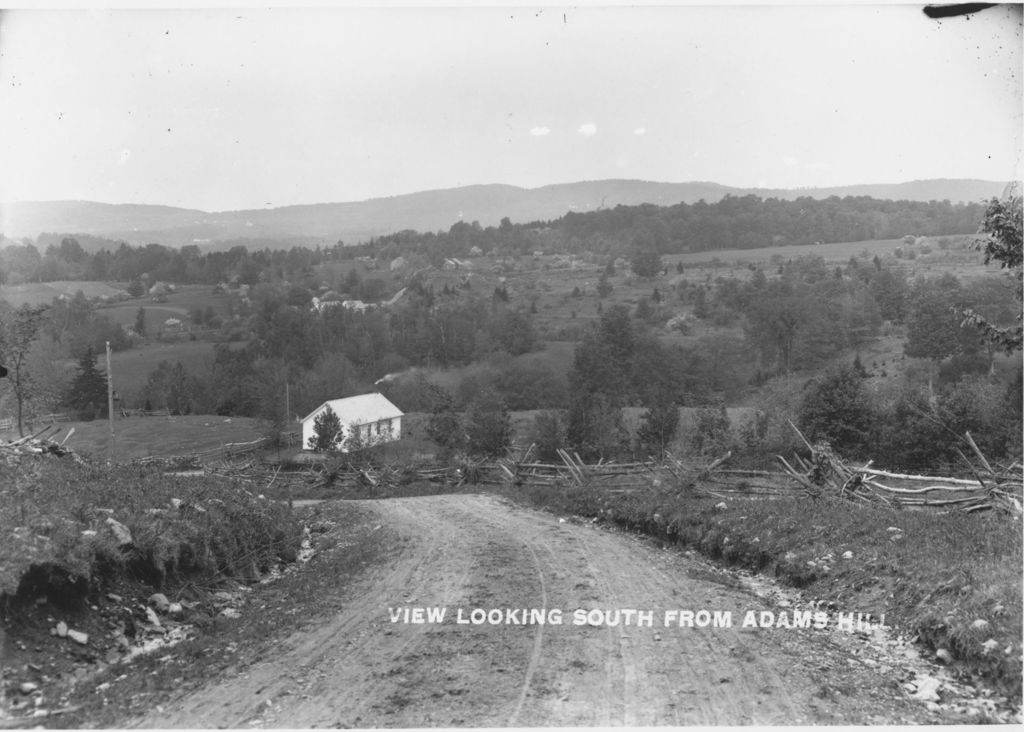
784	338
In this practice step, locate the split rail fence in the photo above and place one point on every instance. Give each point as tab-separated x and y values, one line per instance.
820	472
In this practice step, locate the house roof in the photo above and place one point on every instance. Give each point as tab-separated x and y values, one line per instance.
360	409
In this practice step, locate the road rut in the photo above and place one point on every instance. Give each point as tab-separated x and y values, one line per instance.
357	668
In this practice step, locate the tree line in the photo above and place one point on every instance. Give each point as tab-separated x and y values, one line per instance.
732	223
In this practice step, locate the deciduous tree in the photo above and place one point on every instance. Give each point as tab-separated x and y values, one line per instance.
18	330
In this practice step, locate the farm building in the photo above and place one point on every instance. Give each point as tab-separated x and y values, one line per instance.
371	416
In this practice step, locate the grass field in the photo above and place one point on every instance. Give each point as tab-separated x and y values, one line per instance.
155	436
132	367
40	293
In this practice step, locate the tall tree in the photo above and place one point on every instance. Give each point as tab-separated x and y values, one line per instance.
836	408
18	329
1002	229
140	321
488	426
88	391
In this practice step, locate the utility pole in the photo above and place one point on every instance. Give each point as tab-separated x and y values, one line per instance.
110	404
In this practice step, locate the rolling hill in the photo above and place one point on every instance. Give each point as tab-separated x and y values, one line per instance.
352	222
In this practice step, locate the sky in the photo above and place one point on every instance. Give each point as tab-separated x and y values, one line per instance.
244	108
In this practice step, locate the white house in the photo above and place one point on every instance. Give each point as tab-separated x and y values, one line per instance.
372	416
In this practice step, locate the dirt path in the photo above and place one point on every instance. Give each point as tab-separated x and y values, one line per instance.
359	669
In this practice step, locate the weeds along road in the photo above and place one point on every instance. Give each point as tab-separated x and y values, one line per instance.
358	668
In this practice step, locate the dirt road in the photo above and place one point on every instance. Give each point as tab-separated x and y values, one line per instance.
462	552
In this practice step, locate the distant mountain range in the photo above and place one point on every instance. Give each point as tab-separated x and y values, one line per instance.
327	223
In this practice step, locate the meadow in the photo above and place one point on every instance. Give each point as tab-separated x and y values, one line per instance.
41	293
159	436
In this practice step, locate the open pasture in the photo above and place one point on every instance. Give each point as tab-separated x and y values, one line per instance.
132	367
933	256
41	293
137	437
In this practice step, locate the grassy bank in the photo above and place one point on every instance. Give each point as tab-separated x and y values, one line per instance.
953	580
70	527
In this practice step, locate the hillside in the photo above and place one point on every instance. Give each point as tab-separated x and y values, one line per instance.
423	211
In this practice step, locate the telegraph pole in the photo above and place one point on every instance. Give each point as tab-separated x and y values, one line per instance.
110	404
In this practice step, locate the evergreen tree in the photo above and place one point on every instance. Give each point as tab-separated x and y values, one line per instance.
658	426
88	391
326	431
488	426
140	321
548	434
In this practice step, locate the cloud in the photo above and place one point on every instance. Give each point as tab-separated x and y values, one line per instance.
588	130
817	166
640	131
540	131
789	161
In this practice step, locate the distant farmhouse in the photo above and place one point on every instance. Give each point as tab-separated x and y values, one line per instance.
371	416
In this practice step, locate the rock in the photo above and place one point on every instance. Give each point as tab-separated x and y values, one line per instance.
114	598
230	612
175	503
223	596
78	637
931	706
27	687
88	532
62	629
896	537
979	624
120	531
721	506
943	655
927	689
112	657
159	601
151	617
990	645
847	555
894	528
175	609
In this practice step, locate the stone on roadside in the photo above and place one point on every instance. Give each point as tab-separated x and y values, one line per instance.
943	655
62	629
78	637
979	624
114	598
847	555
27	687
120	531
151	617
927	689
159	601
175	609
